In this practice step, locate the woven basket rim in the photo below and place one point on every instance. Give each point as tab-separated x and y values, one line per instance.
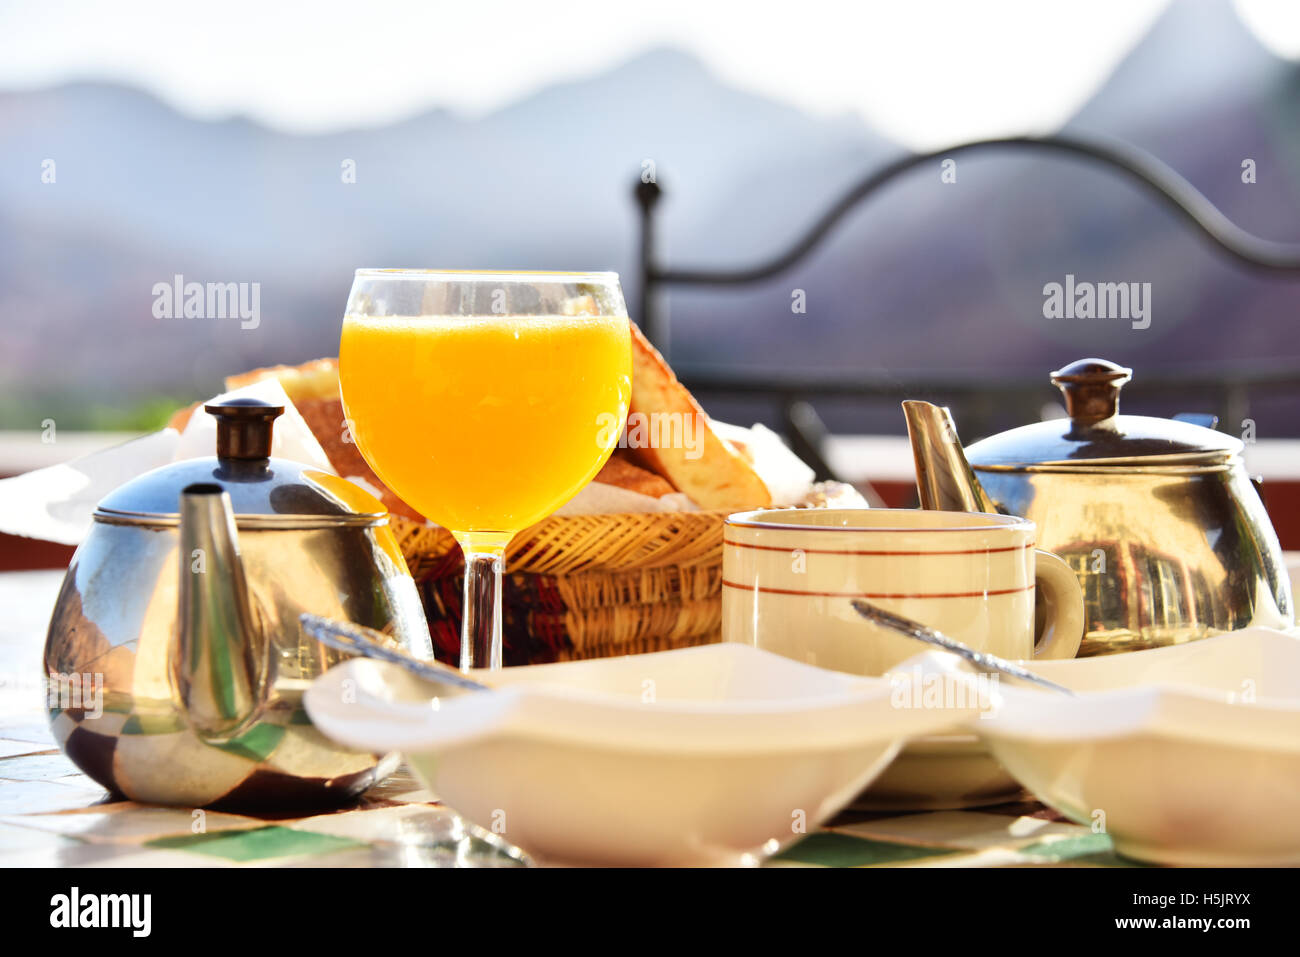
577	544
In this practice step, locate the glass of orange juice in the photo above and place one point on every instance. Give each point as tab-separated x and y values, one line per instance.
485	400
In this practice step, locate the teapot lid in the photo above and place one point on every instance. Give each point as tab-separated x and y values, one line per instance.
1094	434
263	491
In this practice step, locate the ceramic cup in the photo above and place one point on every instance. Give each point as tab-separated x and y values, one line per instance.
788	576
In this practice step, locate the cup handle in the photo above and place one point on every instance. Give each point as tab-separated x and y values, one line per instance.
1057	587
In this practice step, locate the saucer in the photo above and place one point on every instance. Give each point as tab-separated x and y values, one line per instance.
940	772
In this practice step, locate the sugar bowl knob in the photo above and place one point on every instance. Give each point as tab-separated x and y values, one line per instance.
244	427
1091	389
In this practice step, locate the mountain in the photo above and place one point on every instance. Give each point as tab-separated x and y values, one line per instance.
925	277
142	193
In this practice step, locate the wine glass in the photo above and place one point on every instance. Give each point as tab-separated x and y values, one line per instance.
485	400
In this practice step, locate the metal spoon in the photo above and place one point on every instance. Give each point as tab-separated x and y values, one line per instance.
360	640
982	660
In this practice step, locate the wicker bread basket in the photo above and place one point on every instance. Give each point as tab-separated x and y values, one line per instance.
584	586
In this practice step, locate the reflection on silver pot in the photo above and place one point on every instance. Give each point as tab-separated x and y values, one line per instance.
175	659
1158	518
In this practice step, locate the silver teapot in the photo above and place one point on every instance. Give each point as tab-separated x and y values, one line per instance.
175	660
1158	518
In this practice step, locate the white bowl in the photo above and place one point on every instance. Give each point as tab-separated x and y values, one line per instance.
712	755
1188	754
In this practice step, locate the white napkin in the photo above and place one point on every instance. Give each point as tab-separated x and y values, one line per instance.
786	475
56	503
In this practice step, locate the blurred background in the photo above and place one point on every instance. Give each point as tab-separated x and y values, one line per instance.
287	144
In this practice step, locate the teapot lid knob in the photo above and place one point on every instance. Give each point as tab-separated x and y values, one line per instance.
1091	389
244	427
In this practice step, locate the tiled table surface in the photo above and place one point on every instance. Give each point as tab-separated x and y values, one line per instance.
52	815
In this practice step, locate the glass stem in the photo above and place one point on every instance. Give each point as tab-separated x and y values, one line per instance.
480	629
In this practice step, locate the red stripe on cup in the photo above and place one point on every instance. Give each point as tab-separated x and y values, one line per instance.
836	551
851	594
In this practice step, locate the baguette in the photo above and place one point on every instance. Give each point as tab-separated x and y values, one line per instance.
712	473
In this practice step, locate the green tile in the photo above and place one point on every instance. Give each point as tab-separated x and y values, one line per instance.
846	850
1084	849
258	844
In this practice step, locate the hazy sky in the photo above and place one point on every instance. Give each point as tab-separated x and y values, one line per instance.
924	72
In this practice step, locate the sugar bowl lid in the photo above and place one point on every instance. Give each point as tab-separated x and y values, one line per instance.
264	491
1094	434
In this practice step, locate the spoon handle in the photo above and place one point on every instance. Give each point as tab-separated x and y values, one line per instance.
980	659
360	640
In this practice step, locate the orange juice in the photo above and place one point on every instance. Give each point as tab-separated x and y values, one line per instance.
486	425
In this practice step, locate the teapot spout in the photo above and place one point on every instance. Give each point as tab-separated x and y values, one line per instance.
945	481
216	666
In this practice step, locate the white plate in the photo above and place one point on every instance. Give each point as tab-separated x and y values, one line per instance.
1188	754
711	755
